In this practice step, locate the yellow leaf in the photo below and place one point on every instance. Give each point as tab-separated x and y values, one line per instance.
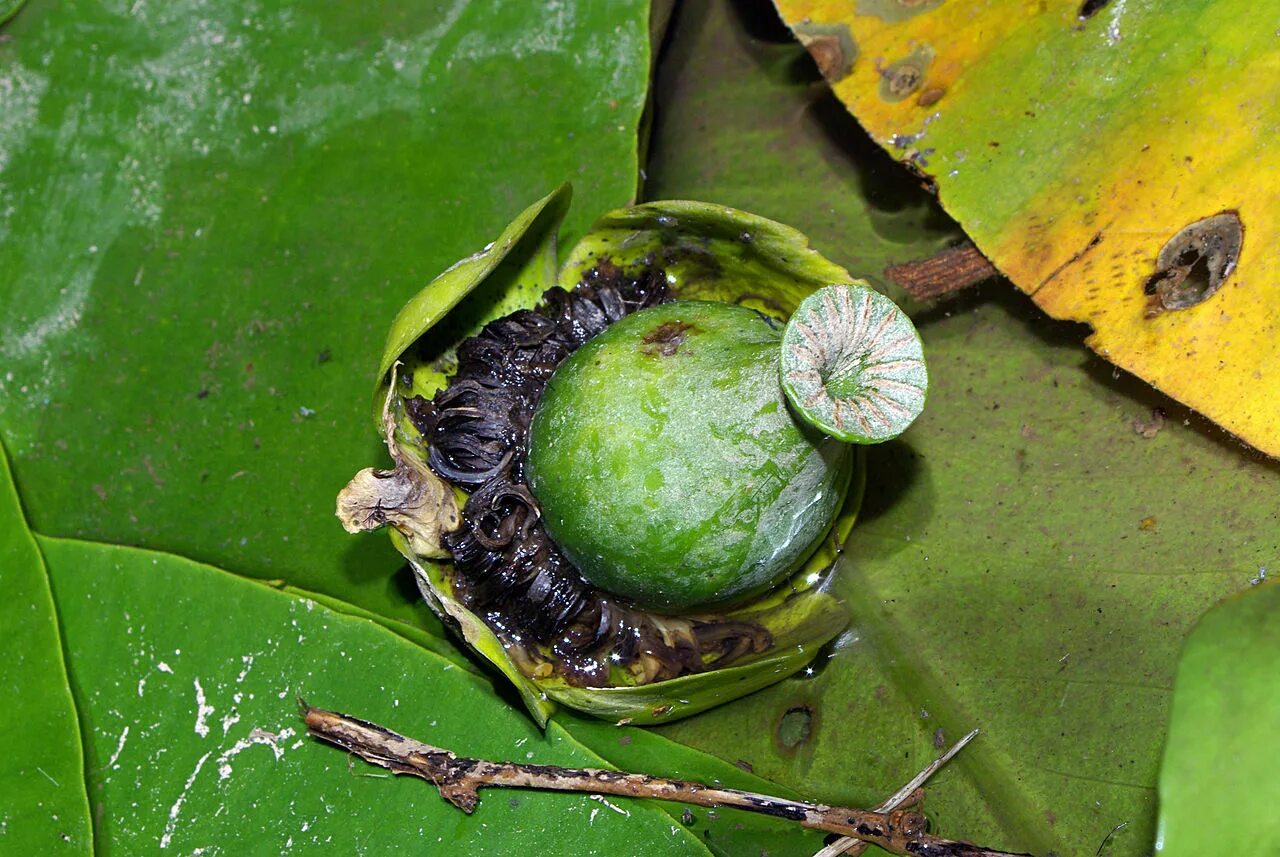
1080	151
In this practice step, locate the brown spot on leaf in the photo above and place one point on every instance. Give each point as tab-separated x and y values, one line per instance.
831	46
931	96
907	75
829	56
904	79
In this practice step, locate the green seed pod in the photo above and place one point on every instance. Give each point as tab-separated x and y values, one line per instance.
496	408
734	493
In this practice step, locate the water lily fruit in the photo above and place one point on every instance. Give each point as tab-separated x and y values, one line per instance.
623	478
670	468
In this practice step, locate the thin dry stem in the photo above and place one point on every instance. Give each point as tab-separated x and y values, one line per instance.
944	273
459	781
908	795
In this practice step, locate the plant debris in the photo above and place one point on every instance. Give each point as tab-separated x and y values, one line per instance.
460	779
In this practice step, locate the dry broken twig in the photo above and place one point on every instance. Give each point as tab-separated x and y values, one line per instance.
459	781
908	795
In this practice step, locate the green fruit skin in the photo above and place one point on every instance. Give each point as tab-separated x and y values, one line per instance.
669	467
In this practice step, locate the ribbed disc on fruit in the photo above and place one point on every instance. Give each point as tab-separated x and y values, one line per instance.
852	364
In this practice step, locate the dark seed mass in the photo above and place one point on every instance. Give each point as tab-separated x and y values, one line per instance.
508	570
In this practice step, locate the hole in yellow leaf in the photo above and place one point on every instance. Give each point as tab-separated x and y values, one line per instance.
1195	263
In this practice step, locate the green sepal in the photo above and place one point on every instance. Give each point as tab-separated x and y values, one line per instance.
709	252
436	588
508	274
801	624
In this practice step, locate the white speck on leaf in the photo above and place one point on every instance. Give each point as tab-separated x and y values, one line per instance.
203	710
257	736
124	736
176	809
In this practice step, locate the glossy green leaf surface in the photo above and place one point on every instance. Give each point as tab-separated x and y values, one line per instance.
210	211
424	630
727	832
43	805
1027	561
195	741
1218	783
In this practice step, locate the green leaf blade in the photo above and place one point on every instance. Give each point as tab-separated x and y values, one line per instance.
202	241
42	790
727	832
1218	784
214	752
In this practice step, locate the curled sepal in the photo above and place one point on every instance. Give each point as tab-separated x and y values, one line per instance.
419	505
852	364
436	585
709	252
510	273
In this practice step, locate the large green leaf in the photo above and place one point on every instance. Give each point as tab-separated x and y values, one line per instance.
1218	784
208	212
42	792
1026	562
194	738
728	832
